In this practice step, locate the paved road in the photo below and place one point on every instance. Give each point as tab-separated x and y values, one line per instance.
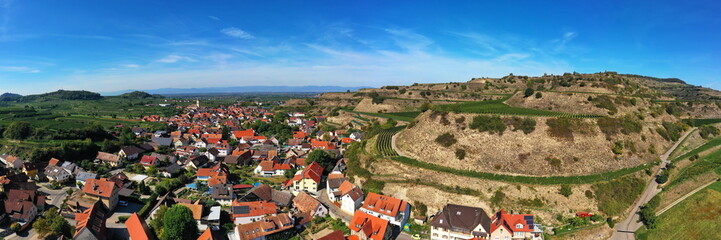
55	197
625	229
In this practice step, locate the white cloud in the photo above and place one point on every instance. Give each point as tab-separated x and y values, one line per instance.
175	58
18	69
214	18
236	33
131	65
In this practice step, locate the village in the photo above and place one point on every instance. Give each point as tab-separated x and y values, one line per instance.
244	173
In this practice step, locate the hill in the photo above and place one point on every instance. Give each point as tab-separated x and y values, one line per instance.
63	95
139	95
10	97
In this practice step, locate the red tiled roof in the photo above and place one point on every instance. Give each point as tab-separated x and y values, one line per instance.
99	187
312	171
258	208
197	210
148	160
385	205
370	226
509	221
138	229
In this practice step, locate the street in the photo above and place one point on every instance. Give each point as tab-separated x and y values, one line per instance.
625	229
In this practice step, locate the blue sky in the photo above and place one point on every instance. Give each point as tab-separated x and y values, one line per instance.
115	45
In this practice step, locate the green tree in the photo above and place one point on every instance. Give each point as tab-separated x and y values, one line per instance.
52	223
321	157
539	95
18	130
15	227
178	223
528	92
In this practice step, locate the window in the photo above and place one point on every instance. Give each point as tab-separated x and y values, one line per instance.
519	226
458	213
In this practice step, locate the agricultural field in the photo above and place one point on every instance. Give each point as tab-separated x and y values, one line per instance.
383	145
704	164
701	122
399	116
500	108
694	218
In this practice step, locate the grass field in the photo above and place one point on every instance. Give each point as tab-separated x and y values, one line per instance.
704	164
698	217
500	108
399	116
701	122
706	146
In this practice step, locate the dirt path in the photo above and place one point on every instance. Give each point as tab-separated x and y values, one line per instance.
684	198
626	228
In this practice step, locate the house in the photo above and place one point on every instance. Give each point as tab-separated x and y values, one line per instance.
104	190
149	161
351	197
307	204
30	169
11	161
271	168
264	192
335	235
222	193
212	154
309	179
157	142
366	227
131	152
23	205
186	151
91	222
82	177
109	158
333	182
138	229
196	162
264	228
218	174
239	135
197	211
244	157
515	226
357	136
394	210
460	222
208	235
57	174
164	157
247	212
170	170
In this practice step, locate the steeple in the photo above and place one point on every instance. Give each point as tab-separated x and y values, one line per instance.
197	103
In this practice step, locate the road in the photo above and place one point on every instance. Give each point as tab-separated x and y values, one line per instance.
684	198
625	229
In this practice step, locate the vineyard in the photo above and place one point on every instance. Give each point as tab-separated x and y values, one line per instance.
701	122
399	116
384	144
500	108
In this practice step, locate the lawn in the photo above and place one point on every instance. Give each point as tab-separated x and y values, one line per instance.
698	217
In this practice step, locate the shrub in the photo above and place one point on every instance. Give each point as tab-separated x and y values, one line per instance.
498	197
446	139
554	162
613	197
625	125
605	102
123	218
589	194
526	125
539	95
564	128
708	130
15	227
617	148
528	92
662	178
611	222
565	190
491	124
460	154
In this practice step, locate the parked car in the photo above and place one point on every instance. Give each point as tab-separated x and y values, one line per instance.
123	203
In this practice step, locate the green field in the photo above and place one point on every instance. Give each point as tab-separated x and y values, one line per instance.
383	145
706	163
701	122
399	116
706	146
698	217
499	107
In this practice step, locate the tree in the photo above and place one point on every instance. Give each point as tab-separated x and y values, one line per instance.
178	223
321	157
565	190
52	223
18	130
539	95
528	92
15	227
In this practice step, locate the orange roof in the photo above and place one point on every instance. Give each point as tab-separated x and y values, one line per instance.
259	208
137	228
197	210
322	144
385	205
347	140
99	187
269	225
244	133
509	221
207	235
370	226
300	135
272	166
313	171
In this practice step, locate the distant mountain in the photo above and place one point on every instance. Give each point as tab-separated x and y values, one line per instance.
299	89
139	95
64	95
10	97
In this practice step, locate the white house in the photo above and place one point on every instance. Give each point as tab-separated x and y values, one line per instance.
11	161
394	210
351	197
57	173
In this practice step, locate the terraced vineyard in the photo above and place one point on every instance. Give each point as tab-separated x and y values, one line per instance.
383	145
500	108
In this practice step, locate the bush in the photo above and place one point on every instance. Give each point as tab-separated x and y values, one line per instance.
526	125
589	194
625	125
123	218
539	95
613	197
491	124
708	130
564	128
528	92
565	190
498	198
460	154
15	227
446	139
611	222
617	148
662	178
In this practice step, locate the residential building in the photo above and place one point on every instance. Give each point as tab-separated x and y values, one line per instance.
197	211
247	212
149	161
307	204
23	205
351	197
460	222
222	193
308	179
263	229
270	168
506	226
57	174
131	152
11	161
109	158
394	210
104	190
369	227
138	229
91	223
264	192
